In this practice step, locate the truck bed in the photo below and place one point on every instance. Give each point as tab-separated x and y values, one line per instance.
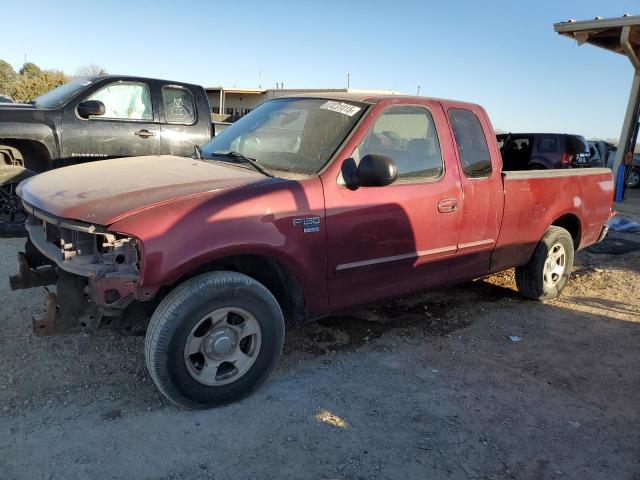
537	198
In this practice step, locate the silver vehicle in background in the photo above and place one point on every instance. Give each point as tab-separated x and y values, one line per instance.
603	153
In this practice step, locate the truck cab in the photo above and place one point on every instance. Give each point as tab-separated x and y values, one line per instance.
95	118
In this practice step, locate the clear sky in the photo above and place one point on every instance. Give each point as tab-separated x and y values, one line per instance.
501	54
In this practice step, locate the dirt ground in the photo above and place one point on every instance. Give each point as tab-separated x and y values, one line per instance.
430	386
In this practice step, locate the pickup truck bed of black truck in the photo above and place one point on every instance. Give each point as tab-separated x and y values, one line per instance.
95	118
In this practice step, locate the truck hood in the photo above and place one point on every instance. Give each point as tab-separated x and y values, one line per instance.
102	192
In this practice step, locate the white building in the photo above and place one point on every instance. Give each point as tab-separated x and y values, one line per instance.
230	103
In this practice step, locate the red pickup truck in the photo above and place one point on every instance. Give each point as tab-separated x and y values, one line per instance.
303	208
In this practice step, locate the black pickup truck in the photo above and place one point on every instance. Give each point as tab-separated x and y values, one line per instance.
95	118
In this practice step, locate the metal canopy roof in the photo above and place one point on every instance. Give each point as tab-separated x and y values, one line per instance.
603	32
619	35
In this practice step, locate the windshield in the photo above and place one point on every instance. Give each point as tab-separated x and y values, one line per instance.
289	134
58	96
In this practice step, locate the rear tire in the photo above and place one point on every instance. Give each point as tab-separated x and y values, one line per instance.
633	180
214	339
547	272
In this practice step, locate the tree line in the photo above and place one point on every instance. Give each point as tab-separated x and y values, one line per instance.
31	81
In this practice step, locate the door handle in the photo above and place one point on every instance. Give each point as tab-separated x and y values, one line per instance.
144	133
448	205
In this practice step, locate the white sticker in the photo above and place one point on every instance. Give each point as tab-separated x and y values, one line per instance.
340	107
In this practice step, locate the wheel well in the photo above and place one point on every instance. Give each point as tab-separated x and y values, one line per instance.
570	223
31	154
279	280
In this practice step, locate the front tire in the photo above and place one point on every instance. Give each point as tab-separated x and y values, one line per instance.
547	272
214	339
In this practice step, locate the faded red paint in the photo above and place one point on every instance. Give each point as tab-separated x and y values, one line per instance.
373	242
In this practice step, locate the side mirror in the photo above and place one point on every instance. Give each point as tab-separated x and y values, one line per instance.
374	170
91	107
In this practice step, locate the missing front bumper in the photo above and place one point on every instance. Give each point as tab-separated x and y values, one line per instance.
45	323
29	277
70	310
95	273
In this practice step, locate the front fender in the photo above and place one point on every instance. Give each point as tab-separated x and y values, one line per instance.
180	237
32	126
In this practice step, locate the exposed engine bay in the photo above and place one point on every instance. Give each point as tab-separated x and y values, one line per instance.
96	273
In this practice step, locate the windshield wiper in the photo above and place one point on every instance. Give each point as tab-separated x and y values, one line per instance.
251	161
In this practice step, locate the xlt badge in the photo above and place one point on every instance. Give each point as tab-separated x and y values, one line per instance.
309	224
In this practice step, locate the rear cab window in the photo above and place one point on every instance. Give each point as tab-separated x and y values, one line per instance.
179	106
471	143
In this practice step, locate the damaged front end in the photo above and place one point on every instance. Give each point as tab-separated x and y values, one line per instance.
96	274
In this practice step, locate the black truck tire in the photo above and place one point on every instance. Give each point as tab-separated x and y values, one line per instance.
12	172
214	339
633	179
547	272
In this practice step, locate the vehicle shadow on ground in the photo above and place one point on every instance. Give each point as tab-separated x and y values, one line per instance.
434	313
553	387
613	306
618	245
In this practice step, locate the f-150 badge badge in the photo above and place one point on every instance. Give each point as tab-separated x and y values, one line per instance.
309	224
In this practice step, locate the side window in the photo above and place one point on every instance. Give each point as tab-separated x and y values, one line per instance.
471	143
408	136
178	105
548	144
125	101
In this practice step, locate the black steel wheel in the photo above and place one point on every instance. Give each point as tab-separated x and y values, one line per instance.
12	215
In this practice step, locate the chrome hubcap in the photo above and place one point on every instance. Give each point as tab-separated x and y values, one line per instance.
554	265
220	343
222	346
633	179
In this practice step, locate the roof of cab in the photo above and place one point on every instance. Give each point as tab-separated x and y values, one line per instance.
96	78
371	97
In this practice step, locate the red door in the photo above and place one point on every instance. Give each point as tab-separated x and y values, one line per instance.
386	241
482	188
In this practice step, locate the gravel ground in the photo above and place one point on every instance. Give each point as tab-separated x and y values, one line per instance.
429	386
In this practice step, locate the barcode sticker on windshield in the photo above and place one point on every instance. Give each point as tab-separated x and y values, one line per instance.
340	107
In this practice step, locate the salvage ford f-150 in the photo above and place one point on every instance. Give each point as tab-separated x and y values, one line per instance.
305	207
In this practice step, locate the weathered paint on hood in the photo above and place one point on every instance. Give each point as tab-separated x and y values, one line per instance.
101	192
